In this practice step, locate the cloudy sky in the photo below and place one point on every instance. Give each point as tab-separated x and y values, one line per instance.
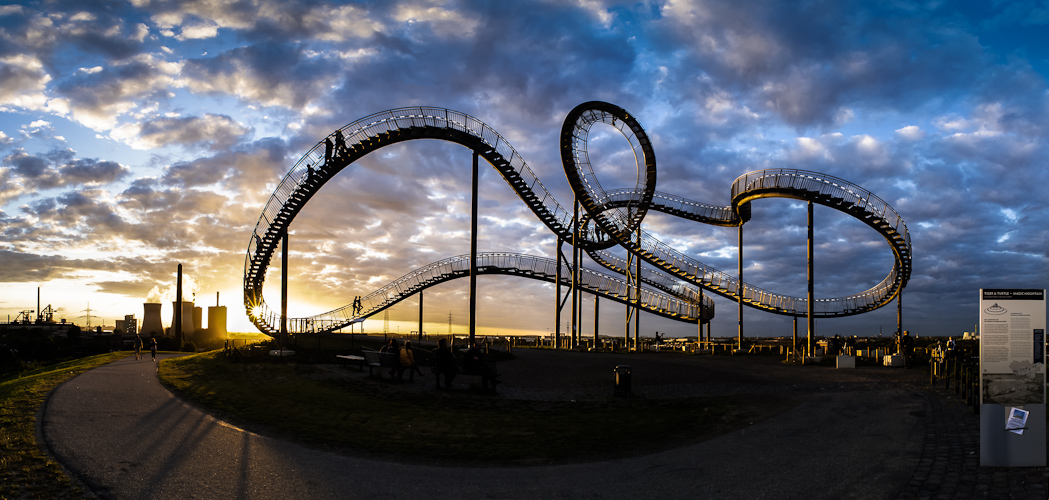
138	135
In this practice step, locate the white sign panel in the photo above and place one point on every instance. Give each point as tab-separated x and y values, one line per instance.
1012	346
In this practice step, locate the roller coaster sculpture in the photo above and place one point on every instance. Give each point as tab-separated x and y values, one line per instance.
675	282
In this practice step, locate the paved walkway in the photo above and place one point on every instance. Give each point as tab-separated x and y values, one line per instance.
869	433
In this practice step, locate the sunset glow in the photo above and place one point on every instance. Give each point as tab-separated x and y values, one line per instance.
138	136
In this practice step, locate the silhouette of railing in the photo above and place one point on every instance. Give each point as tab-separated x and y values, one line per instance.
680	304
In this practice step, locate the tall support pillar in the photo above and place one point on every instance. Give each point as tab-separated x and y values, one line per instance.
559	303
811	304
597	320
700	337
575	272
473	252
899	314
741	288
283	291
637	294
420	317
794	341
579	294
630	286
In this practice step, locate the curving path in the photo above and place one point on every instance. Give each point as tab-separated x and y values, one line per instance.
856	434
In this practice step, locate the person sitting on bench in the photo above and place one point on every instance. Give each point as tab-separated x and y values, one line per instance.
406	361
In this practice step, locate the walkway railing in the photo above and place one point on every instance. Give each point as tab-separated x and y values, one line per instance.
615	215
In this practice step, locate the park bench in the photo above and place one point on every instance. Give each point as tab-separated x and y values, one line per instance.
351	358
489	377
379	360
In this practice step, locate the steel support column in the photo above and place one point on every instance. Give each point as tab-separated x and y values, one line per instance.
557	297
811	304
794	341
637	295
473	253
630	285
283	291
559	303
899	314
741	288
575	272
579	295
701	312
597	319
420	317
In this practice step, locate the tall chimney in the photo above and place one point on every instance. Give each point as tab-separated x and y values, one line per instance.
178	308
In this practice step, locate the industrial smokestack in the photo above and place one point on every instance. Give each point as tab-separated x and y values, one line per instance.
178	308
151	325
217	322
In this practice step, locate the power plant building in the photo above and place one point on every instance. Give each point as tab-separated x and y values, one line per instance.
151	325
187	318
217	321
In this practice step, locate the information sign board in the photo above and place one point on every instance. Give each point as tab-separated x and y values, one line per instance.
1012	377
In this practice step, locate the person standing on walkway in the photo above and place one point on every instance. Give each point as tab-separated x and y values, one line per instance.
153	348
138	347
444	362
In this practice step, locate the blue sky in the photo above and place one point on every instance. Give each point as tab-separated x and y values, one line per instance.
137	135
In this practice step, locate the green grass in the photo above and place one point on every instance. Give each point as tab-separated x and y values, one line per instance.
26	471
359	417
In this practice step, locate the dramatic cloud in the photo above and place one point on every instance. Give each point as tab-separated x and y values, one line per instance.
135	136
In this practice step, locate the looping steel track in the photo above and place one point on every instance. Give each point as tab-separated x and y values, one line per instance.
612	218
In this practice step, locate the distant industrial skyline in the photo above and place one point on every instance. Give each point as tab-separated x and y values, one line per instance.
137	136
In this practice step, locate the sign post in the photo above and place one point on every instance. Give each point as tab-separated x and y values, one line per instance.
1012	378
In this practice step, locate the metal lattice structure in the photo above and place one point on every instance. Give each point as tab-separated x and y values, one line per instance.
611	218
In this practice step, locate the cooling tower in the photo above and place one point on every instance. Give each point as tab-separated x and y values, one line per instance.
187	319
151	325
217	321
198	318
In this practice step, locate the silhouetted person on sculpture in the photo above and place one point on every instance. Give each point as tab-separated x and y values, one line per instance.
444	363
340	142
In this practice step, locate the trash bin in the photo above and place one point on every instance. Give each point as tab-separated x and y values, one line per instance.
622	387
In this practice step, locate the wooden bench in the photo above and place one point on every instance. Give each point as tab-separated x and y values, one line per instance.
379	360
489	377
